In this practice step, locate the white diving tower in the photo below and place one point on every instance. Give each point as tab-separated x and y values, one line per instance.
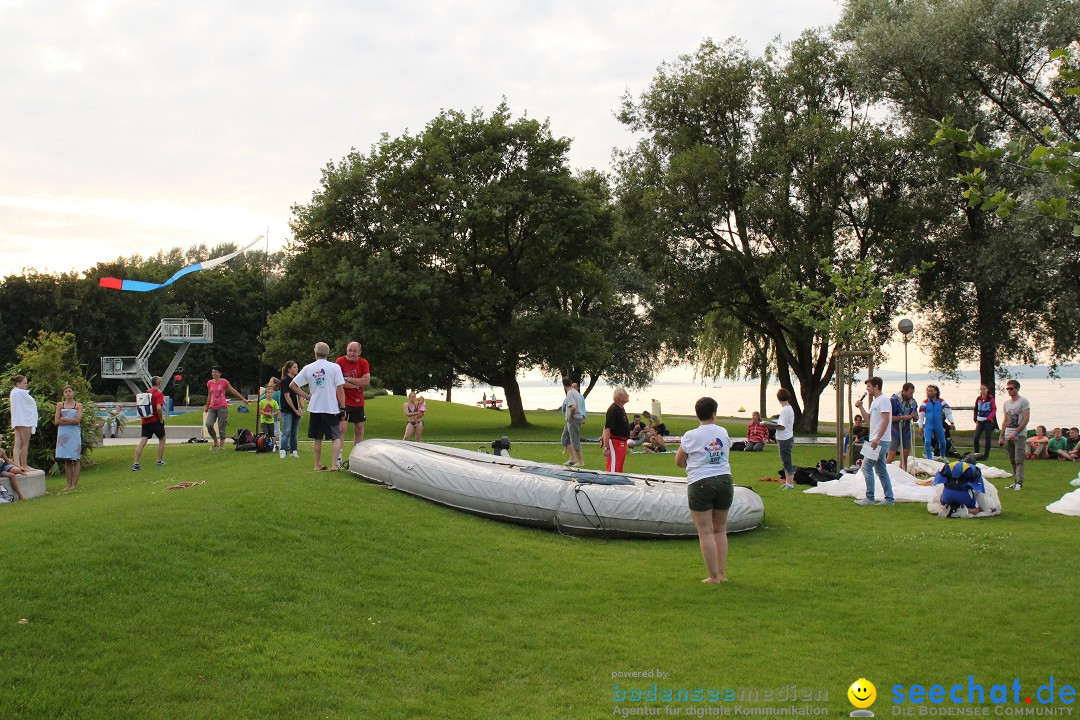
184	332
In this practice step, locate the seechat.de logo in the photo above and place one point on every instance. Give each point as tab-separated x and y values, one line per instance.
862	695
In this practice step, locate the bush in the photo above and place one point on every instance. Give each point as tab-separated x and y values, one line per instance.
49	363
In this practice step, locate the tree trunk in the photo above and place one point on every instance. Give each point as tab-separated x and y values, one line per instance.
514	404
449	391
987	367
763	394
811	404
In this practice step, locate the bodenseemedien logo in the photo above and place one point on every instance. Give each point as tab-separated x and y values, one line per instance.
862	695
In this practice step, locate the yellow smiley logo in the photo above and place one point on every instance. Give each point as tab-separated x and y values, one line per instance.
862	693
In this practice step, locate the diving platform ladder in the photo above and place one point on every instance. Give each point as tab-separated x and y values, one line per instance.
184	332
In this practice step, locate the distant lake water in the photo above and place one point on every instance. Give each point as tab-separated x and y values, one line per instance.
1053	402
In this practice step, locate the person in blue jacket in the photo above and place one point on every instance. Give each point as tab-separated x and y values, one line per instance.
933	412
964	492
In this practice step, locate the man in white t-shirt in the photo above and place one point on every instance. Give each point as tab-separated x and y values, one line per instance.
876	446
704	452
785	437
574	414
326	400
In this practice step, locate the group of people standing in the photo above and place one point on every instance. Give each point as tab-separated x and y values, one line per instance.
933	417
334	400
24	421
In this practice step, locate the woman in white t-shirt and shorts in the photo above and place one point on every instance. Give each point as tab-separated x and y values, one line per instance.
785	437
704	452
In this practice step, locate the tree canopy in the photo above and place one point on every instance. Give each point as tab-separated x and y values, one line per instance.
751	173
993	294
468	249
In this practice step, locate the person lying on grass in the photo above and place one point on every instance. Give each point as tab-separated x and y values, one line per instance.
704	453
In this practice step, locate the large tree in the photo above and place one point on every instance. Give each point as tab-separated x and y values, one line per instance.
750	173
994	293
453	246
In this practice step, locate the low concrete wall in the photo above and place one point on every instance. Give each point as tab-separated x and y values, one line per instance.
31	485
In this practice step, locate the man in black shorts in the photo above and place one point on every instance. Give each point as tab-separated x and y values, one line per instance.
153	425
326	399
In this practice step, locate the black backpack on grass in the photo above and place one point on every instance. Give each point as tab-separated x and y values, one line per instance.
244	440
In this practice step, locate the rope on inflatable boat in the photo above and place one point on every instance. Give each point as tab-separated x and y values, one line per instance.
579	489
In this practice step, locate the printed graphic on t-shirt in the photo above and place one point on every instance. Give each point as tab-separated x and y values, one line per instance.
319	378
715	451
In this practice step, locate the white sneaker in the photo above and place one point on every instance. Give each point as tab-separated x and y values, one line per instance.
865	502
281	454
294	454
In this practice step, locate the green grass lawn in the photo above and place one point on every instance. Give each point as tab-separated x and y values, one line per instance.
276	592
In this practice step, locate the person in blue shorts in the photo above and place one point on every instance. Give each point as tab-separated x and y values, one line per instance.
905	408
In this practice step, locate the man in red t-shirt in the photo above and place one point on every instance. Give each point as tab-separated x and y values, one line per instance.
357	375
153	425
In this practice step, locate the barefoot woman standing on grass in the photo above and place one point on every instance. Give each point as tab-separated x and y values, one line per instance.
68	420
704	453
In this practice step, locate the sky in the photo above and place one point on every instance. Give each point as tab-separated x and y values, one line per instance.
133	127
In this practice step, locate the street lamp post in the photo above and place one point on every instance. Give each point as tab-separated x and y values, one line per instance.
906	327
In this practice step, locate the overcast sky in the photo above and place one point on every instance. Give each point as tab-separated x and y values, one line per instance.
139	126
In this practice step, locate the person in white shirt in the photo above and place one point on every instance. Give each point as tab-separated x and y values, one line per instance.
704	452
876	447
326	401
24	421
574	414
785	437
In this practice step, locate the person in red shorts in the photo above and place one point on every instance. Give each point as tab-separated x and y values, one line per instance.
616	431
357	373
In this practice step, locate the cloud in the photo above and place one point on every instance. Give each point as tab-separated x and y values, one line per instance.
156	121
